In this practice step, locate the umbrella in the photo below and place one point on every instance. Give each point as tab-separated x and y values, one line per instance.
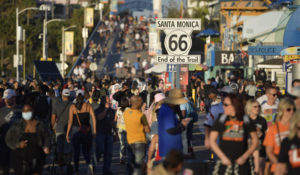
160	68
208	32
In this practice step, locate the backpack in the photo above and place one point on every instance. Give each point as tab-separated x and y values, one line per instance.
41	107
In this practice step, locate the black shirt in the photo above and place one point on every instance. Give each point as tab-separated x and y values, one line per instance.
290	154
105	125
233	135
261	127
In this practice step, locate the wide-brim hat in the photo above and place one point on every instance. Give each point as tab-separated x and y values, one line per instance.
175	97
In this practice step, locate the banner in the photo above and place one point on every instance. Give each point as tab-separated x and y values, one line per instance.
69	43
89	17
290	51
114	6
152	40
104	1
156	5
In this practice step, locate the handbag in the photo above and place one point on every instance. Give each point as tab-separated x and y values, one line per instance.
82	128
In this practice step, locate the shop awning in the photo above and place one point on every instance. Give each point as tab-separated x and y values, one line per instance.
262	24
272	63
160	68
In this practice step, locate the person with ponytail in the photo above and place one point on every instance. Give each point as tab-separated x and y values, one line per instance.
81	115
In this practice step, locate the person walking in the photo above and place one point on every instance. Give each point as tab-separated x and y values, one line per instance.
105	134
29	141
59	121
119	118
252	109
80	115
278	131
234	129
288	159
136	126
9	114
171	123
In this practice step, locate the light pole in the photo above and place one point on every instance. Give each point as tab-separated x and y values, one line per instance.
18	38
45	42
63	47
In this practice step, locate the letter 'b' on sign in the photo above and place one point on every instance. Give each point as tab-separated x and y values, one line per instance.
178	42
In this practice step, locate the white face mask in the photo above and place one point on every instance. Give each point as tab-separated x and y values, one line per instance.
27	115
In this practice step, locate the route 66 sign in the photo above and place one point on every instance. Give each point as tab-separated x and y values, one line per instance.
178	41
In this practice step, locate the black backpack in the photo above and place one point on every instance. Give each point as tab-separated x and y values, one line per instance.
42	107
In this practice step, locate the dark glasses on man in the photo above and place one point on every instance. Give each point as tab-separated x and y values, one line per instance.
290	109
274	95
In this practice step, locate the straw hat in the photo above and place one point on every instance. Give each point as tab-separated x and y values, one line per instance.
175	97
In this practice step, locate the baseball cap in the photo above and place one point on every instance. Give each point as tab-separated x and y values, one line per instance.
9	93
80	91
227	89
66	92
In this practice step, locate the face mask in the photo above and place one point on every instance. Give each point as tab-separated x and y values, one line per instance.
27	115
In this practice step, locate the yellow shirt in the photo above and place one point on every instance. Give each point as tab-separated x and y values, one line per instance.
134	126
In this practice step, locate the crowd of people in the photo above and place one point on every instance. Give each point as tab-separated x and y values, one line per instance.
248	133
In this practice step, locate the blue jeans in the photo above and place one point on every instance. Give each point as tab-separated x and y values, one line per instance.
104	145
123	144
82	142
136	155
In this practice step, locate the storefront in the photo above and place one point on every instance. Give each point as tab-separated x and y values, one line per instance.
227	63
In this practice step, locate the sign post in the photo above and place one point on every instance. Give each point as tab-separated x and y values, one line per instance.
178	43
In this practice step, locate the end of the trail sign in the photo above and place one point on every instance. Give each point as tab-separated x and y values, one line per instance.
178	23
178	59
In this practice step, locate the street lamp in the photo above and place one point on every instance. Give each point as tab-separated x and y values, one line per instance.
18	36
45	44
63	47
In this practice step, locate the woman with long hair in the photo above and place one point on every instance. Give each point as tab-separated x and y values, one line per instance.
29	141
279	130
234	129
119	118
252	109
80	115
288	159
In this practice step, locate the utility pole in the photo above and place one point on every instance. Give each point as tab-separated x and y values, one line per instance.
17	44
24	54
18	38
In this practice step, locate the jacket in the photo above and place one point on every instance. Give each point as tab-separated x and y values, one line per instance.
16	131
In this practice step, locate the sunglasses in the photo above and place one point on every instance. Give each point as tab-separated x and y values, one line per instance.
298	128
274	95
290	109
225	104
256	106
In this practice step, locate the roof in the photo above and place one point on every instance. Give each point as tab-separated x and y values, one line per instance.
272	62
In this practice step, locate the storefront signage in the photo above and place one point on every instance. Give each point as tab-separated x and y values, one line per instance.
290	51
291	59
179	59
265	50
226	58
